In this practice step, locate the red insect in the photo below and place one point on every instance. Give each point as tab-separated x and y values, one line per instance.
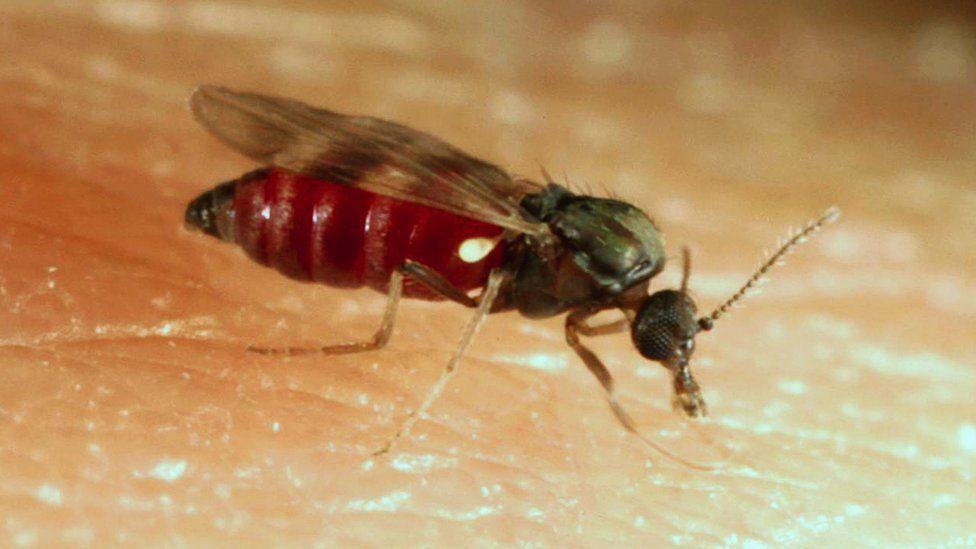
358	201
313	230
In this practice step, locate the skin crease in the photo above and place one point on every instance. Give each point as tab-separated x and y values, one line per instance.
841	399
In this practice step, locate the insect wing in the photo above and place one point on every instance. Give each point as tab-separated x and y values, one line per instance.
370	153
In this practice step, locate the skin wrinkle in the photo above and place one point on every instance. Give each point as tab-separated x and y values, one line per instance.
145	404
115	254
200	373
806	487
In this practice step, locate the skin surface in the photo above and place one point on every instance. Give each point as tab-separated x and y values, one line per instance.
841	399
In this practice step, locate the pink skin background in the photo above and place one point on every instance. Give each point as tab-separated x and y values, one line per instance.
841	398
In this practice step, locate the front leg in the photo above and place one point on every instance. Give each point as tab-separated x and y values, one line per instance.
615	327
575	324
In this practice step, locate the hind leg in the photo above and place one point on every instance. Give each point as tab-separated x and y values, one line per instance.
411	269
378	341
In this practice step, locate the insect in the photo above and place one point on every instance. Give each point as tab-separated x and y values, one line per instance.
353	201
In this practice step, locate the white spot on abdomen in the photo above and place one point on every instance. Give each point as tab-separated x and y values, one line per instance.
475	249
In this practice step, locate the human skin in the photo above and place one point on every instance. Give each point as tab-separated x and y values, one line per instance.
840	399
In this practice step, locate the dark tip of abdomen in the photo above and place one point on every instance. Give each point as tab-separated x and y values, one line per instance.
202	212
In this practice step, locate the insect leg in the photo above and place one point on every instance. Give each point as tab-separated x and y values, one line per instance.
575	324
411	269
484	303
378	341
436	283
614	327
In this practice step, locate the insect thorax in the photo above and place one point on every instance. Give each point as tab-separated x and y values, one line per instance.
604	247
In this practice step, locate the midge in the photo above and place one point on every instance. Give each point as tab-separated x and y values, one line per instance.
353	201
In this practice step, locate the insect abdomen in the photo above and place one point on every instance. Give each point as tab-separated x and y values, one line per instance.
313	230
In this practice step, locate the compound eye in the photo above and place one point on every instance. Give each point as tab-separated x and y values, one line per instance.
655	340
665	326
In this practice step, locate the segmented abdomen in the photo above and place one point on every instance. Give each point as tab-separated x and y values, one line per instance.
310	229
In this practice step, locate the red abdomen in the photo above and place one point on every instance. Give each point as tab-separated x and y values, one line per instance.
314	230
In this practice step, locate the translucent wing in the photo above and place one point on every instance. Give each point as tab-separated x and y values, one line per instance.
369	153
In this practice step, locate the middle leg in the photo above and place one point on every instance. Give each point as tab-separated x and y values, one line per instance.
487	298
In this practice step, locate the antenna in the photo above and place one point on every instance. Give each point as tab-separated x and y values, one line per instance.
686	268
793	240
545	175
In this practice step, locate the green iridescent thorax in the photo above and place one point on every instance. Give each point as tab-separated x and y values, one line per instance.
611	240
606	247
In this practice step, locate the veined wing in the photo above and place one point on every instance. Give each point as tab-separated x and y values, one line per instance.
369	153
